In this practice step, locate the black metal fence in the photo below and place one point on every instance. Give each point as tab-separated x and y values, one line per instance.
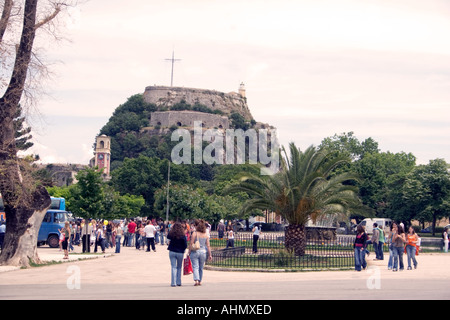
271	253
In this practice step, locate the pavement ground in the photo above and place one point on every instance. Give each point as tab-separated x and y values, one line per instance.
140	275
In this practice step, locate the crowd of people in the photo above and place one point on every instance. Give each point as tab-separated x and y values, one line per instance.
179	236
398	242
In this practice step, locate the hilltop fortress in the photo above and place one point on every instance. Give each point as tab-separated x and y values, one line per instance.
177	107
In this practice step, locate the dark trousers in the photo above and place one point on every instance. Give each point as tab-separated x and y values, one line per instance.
151	242
99	242
255	243
86	242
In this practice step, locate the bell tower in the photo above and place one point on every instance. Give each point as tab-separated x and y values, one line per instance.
102	154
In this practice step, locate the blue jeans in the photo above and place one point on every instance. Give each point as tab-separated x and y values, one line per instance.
391	258
398	257
118	238
411	254
379	251
176	263
198	259
161	237
360	260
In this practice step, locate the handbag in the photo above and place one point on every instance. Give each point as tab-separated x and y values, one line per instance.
196	245
187	266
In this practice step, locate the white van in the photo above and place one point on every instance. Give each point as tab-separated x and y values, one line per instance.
383	223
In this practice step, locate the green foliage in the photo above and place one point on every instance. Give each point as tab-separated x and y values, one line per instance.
87	195
303	189
186	202
93	198
238	121
424	194
182	106
22	134
143	175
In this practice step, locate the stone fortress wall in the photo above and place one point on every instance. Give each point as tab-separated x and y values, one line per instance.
187	119
227	103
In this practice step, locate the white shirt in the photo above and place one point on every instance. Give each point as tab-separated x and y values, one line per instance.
149	231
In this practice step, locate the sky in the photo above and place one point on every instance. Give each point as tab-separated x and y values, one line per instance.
311	68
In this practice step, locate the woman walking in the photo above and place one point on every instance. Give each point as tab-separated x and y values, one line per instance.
359	246
398	241
119	233
198	257
411	243
177	246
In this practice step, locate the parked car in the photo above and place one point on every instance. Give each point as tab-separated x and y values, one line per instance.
427	230
240	226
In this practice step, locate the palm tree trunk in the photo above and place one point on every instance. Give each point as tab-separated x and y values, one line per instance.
295	239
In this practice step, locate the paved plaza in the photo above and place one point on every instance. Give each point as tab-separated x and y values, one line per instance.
140	275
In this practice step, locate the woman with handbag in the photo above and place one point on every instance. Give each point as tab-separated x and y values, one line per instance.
177	246
199	249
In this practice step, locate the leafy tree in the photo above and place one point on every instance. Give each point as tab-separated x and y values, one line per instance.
143	175
426	193
140	177
347	144
186	202
380	175
303	189
87	199
119	207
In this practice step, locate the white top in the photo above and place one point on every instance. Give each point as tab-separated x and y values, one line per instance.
149	231
100	233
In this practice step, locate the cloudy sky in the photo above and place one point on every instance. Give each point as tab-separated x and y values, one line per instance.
312	68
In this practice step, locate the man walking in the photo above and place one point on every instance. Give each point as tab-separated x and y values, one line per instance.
150	231
86	230
378	237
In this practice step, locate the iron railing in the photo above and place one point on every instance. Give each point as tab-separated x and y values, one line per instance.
271	253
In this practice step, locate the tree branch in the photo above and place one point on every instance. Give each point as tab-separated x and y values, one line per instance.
6	14
50	17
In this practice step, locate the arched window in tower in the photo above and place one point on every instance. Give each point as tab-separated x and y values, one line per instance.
102	144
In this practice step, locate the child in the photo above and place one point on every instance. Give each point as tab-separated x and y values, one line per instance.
61	238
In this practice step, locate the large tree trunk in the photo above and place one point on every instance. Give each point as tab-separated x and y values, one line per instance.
25	204
295	239
22	228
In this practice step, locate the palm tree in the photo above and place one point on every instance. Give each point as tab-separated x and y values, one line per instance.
306	187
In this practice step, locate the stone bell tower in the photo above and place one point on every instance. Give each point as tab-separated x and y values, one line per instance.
102	154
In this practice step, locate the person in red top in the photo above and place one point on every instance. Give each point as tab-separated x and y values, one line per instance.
131	231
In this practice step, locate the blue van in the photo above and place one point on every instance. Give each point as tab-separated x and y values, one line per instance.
53	222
